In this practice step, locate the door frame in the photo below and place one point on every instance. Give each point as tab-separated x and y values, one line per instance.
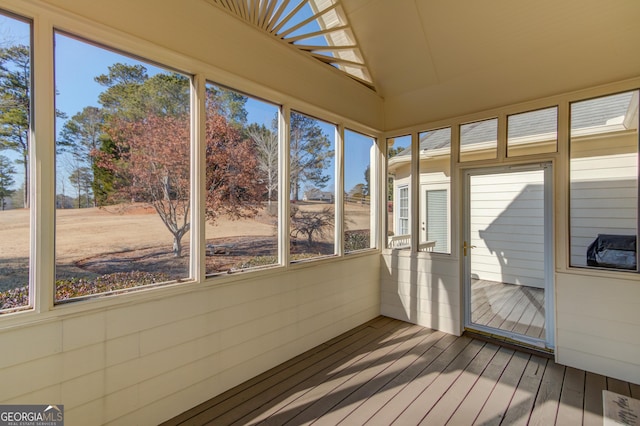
548	343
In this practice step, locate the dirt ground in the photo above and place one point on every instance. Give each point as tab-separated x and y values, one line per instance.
97	241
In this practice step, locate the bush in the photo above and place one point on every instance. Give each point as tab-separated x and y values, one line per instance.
257	261
14	298
357	240
78	287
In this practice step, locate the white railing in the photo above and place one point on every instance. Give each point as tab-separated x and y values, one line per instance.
399	242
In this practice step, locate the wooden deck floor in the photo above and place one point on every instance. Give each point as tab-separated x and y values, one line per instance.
514	308
391	372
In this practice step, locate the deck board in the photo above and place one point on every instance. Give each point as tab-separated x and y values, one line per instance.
524	397
468	410
570	410
496	406
508	307
391	372
545	409
594	384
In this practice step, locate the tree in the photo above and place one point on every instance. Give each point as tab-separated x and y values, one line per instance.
146	154
310	223
6	179
232	178
309	154
15	84
82	136
266	144
357	191
130	96
153	167
228	103
367	177
81	179
121	97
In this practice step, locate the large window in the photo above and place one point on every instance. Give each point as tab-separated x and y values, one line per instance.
15	185
398	190
604	182
312	186
241	182
359	152
123	171
435	184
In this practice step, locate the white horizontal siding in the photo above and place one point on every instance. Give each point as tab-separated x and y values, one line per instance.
603	199
144	362
422	291
507	227
597	325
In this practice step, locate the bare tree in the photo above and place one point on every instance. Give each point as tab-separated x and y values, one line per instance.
266	143
310	223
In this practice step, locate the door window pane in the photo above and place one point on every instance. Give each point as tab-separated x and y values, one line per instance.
479	140
312	183
604	182
15	119
123	171
359	152
506	252
398	190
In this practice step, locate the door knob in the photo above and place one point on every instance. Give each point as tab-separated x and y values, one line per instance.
465	247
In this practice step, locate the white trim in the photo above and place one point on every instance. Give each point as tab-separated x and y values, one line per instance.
425	188
42	168
338	191
549	289
197	260
284	187
397	227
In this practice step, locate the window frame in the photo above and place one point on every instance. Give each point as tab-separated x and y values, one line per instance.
31	177
400	218
635	93
46	21
437	187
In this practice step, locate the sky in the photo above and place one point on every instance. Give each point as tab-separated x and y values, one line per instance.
78	62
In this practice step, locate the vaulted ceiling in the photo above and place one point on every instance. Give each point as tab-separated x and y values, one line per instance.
422	60
433	59
438	58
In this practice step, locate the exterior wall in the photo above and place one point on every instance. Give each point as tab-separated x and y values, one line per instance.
602	169
164	351
421	290
596	312
507	228
597	323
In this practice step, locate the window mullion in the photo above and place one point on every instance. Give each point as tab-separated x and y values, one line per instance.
414	193
198	181
42	169
339	192
284	223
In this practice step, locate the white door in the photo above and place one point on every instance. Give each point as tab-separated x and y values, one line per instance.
507	250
